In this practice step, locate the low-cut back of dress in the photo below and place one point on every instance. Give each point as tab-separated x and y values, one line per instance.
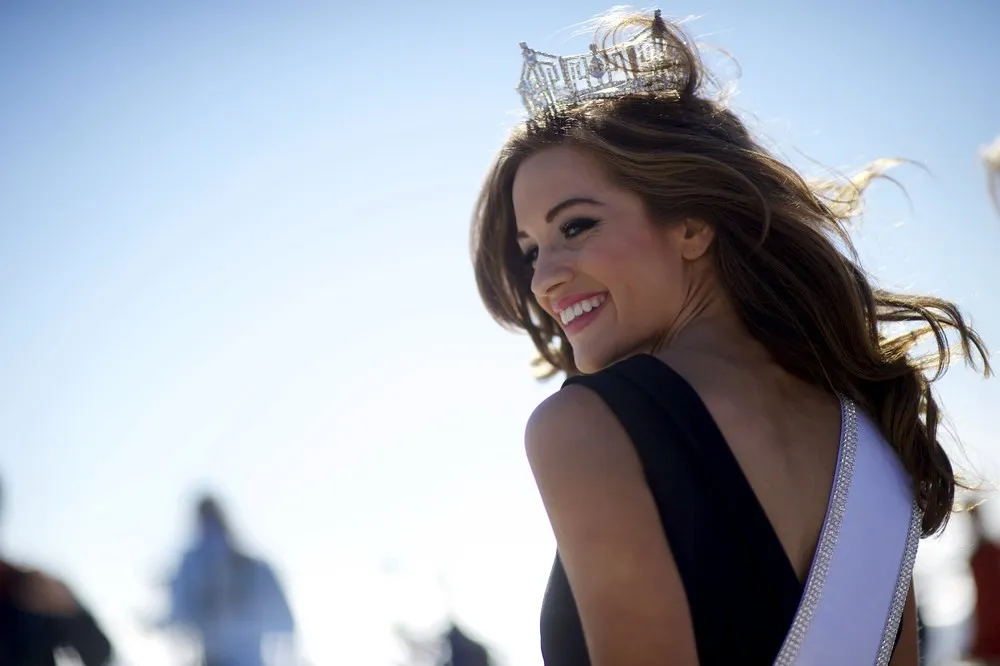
746	602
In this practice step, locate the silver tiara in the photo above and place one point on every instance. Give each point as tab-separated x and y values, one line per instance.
550	83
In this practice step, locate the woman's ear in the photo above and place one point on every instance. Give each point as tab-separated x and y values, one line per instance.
696	239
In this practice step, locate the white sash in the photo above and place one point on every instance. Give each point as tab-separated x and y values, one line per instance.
854	595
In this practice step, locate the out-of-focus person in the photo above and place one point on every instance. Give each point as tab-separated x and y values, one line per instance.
231	601
40	615
463	650
985	565
991	159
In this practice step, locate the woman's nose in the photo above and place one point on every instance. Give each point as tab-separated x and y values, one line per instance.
551	271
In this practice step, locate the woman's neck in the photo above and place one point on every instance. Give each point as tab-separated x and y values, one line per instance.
710	325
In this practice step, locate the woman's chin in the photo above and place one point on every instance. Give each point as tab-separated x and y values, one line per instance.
589	362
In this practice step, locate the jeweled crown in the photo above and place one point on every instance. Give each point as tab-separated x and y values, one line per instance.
550	82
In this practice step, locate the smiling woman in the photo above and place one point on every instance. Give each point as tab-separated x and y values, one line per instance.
742	460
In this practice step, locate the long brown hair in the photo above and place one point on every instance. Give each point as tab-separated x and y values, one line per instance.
805	299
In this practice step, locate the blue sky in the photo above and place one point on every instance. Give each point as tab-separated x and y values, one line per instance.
234	250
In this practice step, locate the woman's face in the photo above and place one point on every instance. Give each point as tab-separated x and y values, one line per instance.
614	280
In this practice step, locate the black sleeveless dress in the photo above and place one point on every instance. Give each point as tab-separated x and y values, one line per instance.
741	588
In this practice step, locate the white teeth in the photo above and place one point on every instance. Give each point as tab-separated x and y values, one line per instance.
578	308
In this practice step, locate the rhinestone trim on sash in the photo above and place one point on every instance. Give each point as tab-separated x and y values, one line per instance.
902	587
828	537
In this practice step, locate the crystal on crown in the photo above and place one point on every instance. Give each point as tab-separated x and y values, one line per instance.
643	63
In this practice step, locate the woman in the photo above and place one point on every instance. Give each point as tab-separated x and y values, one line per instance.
739	466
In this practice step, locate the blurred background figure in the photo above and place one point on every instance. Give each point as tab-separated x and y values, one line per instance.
452	647
39	616
229	600
461	650
985	565
922	636
991	158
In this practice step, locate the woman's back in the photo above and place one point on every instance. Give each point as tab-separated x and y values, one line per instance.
783	432
742	581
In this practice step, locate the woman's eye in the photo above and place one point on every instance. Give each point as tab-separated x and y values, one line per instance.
576	227
569	229
530	256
